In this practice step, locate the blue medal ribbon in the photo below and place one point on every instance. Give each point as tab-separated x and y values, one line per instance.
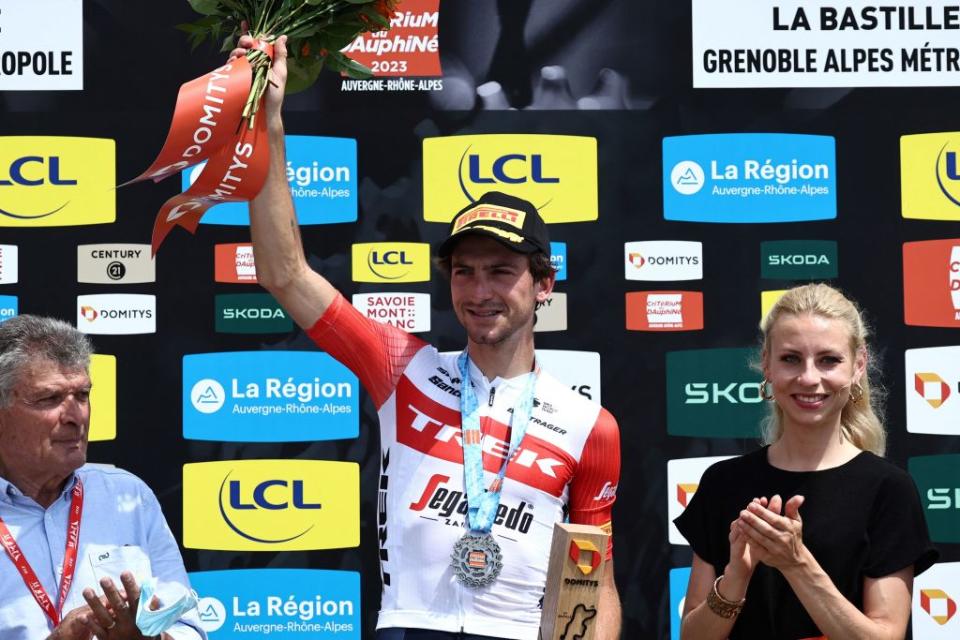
482	502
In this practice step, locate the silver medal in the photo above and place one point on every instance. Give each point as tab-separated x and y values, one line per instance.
476	559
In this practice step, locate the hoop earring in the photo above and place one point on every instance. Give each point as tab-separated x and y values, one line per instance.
765	392
856	393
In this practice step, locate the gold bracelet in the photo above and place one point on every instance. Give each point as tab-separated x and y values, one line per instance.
720	605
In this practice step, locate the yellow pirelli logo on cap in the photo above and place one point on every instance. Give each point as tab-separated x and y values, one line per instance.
103	397
558	174
930	178
513	217
57	182
271	505
391	262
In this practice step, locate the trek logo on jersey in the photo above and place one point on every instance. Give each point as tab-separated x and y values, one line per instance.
939	486
713	393
293	603
103	397
115	264
41	45
798	260
551	314
664	311
445	504
660	260
9	307
579	370
250	313
558	259
933	390
9	263
411	47
935	595
749	177
407	311
391	262
930	180
558	174
234	264
117	313
271	505
322	173
56	182
683	478
931	283
268	396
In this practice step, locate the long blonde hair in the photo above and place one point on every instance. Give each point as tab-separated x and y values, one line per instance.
860	422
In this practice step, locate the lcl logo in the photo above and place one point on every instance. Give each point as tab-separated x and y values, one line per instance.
22	172
524	168
284	495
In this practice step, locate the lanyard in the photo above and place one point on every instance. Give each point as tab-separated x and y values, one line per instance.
69	558
482	503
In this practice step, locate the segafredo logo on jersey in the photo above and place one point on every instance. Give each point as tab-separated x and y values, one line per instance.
558	259
322	173
664	311
103	397
749	177
663	260
271	505
683	478
933	390
291	603
9	263
552	313
798	260
407	311
41	45
441	501
268	396
713	393
931	283
580	370
936	593
56	182
391	262
558	174
234	264
679	578
117	313
250	313
411	47
930	180
9	307
115	264
939	486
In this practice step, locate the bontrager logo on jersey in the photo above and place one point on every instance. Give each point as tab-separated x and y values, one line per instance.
552	313
234	264
798	260
935	595
751	177
322	173
933	390
117	313
271	505
931	283
103	397
9	307
558	259
268	396
558	174
579	370
663	260
683	478
713	393
411	47
115	264
391	262
442	503
9	267
930	180
939	486
407	311
250	313
56	182
41	45
295	603
664	311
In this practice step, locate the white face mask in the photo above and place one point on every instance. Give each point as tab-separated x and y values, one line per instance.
175	600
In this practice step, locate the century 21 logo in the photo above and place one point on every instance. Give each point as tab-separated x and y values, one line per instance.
55	182
271	505
391	262
558	174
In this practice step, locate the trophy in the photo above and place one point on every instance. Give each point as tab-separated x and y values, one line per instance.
577	562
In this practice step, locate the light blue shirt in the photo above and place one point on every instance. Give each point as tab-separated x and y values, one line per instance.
122	529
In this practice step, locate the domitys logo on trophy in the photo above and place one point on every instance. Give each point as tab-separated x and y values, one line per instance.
577	563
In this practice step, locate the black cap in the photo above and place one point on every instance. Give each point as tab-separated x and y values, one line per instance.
511	221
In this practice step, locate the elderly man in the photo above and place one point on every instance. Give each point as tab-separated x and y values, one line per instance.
67	527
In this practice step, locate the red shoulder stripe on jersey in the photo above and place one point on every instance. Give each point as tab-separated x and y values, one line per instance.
594	486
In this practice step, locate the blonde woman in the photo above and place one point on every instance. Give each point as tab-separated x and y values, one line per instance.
814	535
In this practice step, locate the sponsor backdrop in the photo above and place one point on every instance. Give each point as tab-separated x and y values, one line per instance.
681	203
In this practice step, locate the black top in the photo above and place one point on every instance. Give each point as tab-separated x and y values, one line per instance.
861	519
